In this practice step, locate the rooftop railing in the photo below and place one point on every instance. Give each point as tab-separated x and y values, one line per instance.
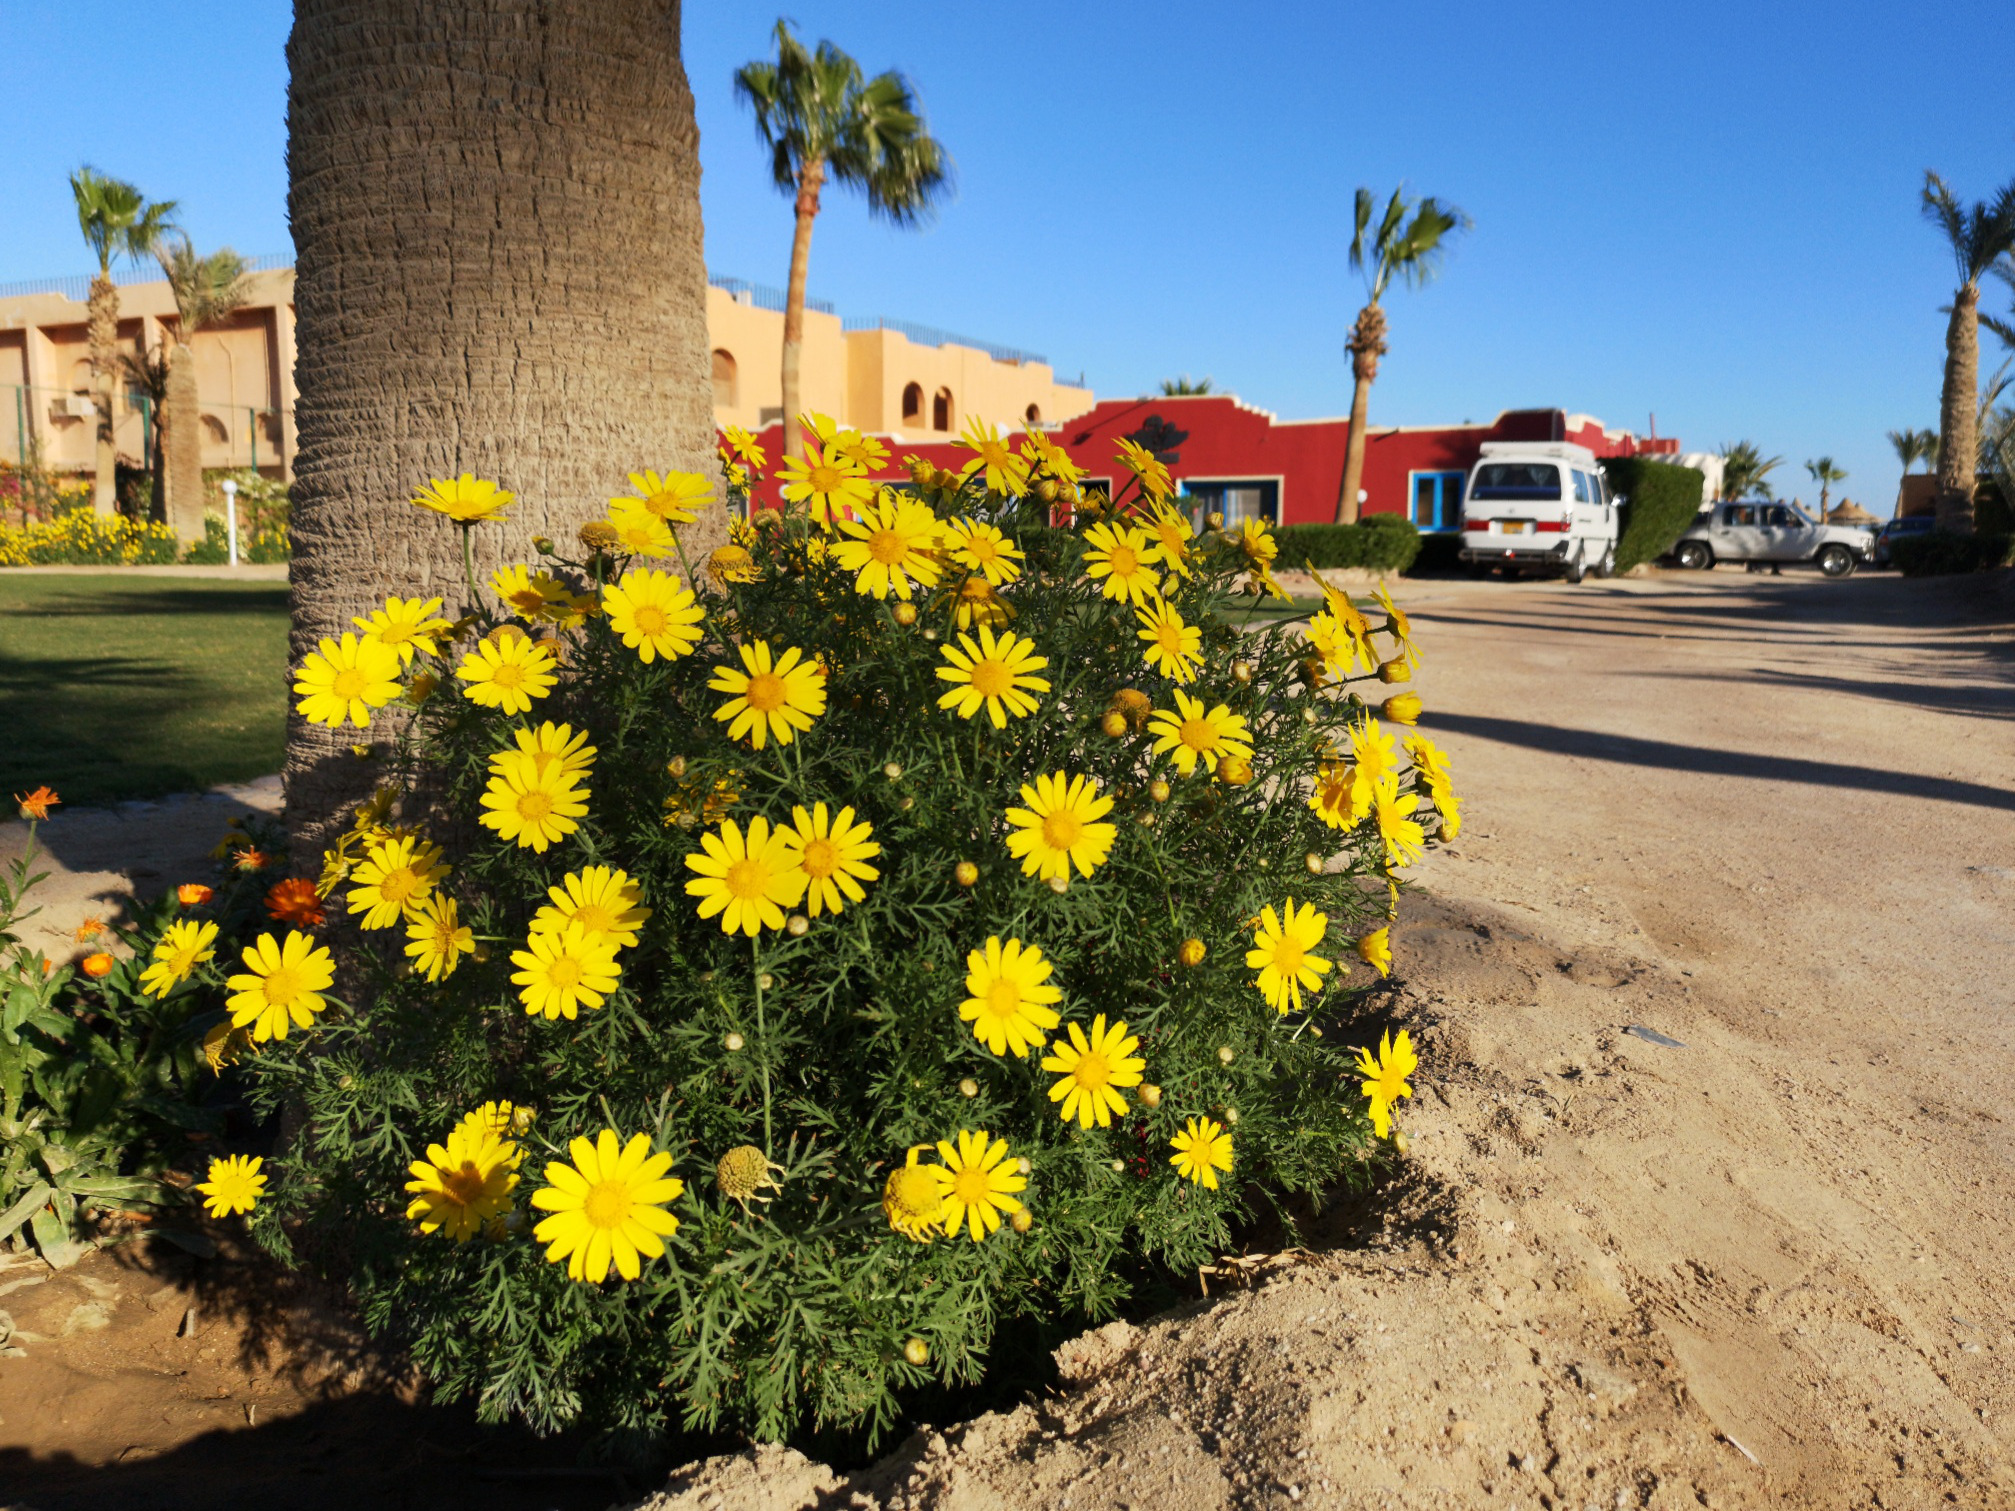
78	287
926	335
761	295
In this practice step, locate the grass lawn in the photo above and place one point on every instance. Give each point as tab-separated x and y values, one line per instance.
124	687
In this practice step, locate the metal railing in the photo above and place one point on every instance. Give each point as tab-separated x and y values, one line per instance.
761	295
929	335
78	286
31	428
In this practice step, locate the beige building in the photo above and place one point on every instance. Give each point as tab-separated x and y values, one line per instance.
887	377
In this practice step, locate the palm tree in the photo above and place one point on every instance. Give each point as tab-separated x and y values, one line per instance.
1979	235
206	290
117	221
1914	446
147	370
1825	474
499	271
1184	387
1410	250
1745	471
823	121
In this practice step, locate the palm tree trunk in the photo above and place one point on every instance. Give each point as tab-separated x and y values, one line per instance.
182	448
104	337
1366	346
496	217
810	179
1958	418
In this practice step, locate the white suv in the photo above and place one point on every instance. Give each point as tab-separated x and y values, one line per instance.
1539	506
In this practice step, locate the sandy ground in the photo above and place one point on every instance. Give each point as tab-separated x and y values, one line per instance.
1769	818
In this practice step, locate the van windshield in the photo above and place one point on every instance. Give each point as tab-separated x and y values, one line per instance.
1530	480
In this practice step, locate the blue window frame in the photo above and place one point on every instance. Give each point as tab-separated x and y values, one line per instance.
1236	499
1437	500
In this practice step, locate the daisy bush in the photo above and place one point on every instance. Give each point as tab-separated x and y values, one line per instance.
760	979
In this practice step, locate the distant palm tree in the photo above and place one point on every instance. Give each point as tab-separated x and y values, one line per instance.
1914	446
1745	471
822	120
1979	235
147	370
1410	250
116	221
1825	474
1185	386
206	290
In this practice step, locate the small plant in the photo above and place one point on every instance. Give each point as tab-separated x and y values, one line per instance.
770	978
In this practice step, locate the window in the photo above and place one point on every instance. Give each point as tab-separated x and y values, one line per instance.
913	403
1033	415
1235	500
1437	500
1583	494
1516	480
941	410
1739	514
724	379
1777	514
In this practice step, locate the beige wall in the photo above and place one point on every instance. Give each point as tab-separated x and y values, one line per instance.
245	376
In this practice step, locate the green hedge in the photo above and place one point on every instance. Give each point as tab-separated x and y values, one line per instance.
1379	542
1940	555
263	546
1660	501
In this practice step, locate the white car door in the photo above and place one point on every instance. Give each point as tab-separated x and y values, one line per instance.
1738	532
1791	536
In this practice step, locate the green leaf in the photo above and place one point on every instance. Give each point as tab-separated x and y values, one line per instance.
37	1197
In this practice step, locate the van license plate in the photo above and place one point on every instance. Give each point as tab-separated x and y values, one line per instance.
1515	526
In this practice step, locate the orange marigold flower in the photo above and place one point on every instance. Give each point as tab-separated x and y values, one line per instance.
37	804
253	860
193	894
89	929
98	966
294	901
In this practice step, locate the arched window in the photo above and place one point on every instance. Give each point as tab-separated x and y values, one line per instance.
214	431
724	379
913	403
1033	415
941	410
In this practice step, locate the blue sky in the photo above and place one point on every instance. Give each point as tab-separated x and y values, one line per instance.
1705	211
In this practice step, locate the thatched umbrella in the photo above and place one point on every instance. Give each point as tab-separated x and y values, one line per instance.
1851	513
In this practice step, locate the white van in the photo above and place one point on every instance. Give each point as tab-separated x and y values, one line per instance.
1539	506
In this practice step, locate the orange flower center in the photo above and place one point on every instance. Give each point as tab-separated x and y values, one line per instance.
650	619
564	974
398	885
822	858
1123	560
348	684
509	675
1198	734
991	678
607	1204
971	1187
283	985
464	1186
823	478
765	692
1004	998
888	547
747	879
1287	957
535	805
595	918
1091	1071
1062	830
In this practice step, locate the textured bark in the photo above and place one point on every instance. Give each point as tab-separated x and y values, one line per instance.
810	181
1366	345
182	447
1959	414
497	231
104	337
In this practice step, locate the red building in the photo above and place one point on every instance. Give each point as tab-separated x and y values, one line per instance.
1243	461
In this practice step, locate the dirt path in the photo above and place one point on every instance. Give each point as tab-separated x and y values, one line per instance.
1773	819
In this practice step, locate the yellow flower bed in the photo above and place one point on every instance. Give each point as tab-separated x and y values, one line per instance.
81	538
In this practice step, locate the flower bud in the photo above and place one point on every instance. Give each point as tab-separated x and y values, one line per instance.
1022	1165
893	772
917	1352
676	766
796	925
906	614
1022	1220
1214	520
765	981
1402	708
597	535
969	1087
542	545
1190	952
922	470
1159	790
966	874
1242	670
733	1043
1393	670
1231	1117
1313	862
1119	1167
1234	771
1114	724
1150	1095
1400	1142
1226	1054
1046	490
98	966
1059	884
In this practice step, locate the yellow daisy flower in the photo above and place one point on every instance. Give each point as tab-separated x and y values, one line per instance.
563	970
749	882
1449	806
283	984
830	485
346	679
605	902
1281	954
1404	839
1201	1150
406	625
467	500
235	1185
975	603
777	697
639	532
1385	1077
1375	950
832	852
1174	649
1005	473
1256	543
500	1118
983	1183
1146	467
864	451
1355	647
1059	828
655	613
732	563
1402	708
395	874
1044	455
1192	734
507	673
1399	627
1089	1070
891	545
1339	799
1121	559
996	674
182	947
608	1207
982	548
550	746
1371	748
744	446
436	937
463	1183
674	497
1170	530
533	596
1011	1002
1430	761
913	1199
533	810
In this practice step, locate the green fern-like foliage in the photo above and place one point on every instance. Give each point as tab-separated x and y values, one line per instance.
835	1045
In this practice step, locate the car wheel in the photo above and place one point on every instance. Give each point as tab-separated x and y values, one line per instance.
1695	555
1836	561
1576	569
1607	566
